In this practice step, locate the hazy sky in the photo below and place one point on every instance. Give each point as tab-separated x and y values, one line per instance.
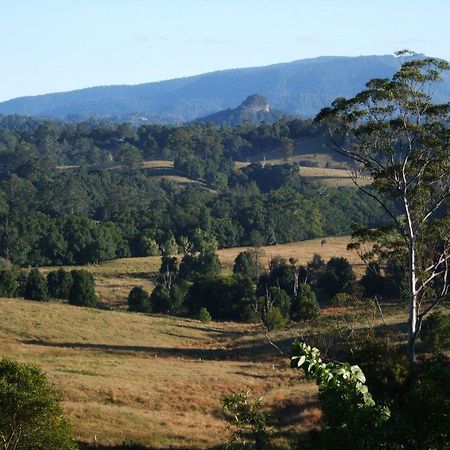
57	45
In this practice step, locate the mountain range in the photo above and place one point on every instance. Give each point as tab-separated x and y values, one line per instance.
298	88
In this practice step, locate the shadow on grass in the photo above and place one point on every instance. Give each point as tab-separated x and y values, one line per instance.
261	351
135	447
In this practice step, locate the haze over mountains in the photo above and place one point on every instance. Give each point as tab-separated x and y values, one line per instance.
300	87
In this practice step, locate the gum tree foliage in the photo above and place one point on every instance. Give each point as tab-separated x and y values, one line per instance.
30	414
351	417
393	131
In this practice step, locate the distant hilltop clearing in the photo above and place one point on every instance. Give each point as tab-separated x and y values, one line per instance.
299	88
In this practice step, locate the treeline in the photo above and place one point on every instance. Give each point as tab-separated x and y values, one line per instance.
94	141
284	291
76	286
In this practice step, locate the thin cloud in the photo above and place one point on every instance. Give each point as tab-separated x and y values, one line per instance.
214	41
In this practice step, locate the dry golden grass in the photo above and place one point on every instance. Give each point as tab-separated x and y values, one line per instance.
153	380
158	164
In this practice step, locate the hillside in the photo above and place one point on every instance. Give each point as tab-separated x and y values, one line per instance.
158	381
300	87
154	380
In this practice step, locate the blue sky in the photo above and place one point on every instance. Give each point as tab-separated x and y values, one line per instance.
58	45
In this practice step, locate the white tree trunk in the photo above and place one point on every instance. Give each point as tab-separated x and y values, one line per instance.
413	304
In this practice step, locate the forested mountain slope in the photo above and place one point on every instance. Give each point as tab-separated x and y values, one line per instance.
300	87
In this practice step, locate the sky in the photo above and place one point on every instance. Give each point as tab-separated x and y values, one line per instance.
59	45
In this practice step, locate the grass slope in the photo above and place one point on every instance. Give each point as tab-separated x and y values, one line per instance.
152	380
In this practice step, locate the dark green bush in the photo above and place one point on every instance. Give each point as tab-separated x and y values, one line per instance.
305	306
160	299
59	283
35	286
435	332
274	319
204	316
139	300
82	291
8	283
281	300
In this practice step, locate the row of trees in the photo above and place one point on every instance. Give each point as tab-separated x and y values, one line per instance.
77	286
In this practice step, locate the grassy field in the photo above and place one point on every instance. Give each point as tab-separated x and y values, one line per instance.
159	381
303	251
114	279
152	380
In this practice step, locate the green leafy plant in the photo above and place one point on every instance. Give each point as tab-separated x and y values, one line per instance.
30	414
350	415
82	291
139	300
249	421
36	286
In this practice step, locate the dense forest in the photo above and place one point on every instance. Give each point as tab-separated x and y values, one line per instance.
60	205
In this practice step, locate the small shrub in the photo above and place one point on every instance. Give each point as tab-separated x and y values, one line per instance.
30	414
139	300
250	422
82	291
274	319
309	310
204	316
8	283
36	286
281	300
342	299
435	332
160	299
